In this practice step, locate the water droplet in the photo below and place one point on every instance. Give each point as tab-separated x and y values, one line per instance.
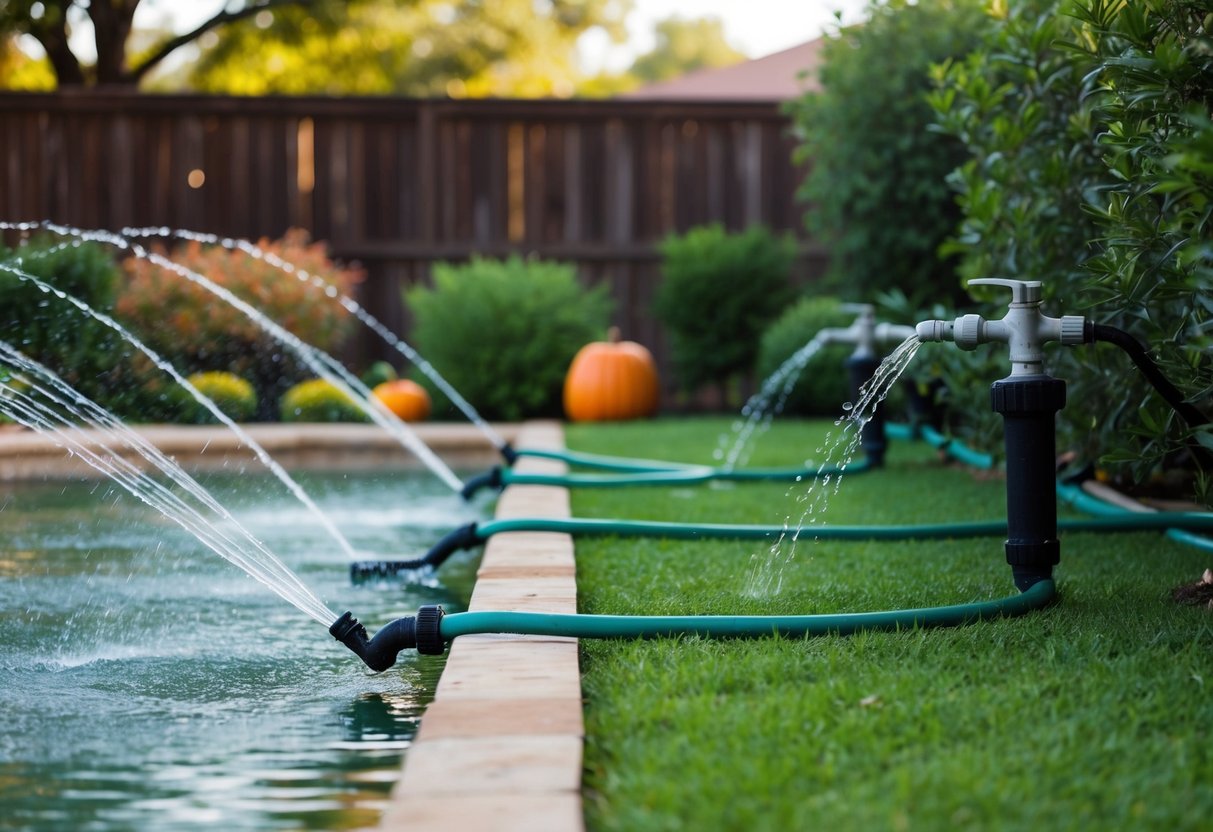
847	406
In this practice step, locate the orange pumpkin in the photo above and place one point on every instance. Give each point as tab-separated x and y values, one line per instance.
407	399
611	380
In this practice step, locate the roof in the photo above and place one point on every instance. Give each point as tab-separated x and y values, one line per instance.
776	77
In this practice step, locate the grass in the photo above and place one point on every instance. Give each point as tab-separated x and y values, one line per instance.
1092	714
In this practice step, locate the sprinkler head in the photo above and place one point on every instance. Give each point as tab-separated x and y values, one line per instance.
422	631
464	537
489	479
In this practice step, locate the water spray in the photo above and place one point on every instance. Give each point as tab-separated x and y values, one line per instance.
865	334
1028	399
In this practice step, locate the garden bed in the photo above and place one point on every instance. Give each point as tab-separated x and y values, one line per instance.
1091	713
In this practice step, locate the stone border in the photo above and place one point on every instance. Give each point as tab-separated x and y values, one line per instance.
28	455
500	747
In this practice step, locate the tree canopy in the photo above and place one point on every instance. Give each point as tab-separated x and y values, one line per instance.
421	48
51	22
685	45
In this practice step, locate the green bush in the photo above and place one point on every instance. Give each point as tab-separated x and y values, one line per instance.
318	400
718	293
198	331
503	332
823	385
876	191
85	353
378	373
230	393
1087	124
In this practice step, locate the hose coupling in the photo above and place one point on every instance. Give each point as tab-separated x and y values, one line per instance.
422	631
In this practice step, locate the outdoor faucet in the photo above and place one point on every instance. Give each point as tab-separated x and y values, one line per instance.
1028	400
1025	329
865	333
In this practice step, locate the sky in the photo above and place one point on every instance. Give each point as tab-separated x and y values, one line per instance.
755	27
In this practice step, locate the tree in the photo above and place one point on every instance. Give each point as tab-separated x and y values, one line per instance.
685	45
50	22
425	47
877	190
1090	152
19	71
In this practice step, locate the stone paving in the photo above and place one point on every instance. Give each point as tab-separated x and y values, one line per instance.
500	746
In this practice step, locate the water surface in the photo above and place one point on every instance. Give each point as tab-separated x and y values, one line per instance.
146	683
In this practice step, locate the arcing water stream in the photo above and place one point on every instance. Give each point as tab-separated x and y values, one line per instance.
764	405
351	305
766	574
13	267
321	363
47	404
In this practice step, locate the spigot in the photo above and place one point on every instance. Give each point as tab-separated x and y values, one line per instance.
864	332
1025	329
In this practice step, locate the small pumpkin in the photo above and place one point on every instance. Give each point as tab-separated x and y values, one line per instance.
407	399
611	380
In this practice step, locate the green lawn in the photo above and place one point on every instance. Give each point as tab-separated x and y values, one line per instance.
1092	714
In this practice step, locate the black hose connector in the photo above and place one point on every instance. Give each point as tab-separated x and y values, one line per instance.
492	478
508	453
464	537
422	631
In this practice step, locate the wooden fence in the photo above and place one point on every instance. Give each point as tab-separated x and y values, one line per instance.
398	184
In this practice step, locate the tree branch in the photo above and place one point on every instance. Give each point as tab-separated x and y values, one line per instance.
136	73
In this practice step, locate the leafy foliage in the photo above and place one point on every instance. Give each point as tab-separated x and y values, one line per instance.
503	332
823	385
85	353
197	331
1091	160
51	23
318	400
230	393
420	48
718	292
685	45
876	191
19	71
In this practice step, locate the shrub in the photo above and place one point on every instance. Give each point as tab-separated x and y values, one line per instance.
318	400
823	385
503	332
1087	124
378	373
876	191
85	353
198	331
230	393
718	292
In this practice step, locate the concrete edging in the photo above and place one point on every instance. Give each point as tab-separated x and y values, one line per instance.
500	747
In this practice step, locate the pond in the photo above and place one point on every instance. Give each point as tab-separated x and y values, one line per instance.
148	684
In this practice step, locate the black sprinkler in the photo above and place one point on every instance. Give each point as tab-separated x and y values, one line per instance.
464	537
421	631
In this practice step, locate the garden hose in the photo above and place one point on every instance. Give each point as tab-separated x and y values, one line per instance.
1180	532
501	476
1108	520
628	471
430	630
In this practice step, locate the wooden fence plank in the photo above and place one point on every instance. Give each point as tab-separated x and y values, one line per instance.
398	184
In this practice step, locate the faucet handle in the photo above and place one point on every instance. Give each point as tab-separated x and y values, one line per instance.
861	308
1022	291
